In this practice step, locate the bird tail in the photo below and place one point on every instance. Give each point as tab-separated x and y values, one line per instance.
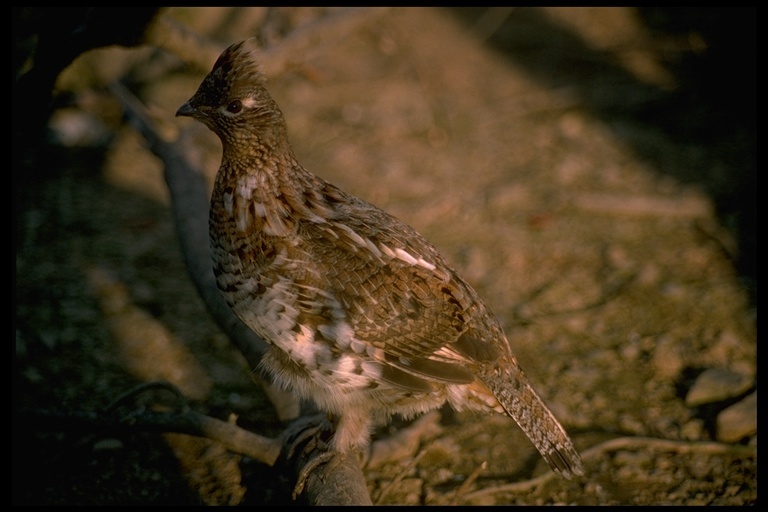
511	388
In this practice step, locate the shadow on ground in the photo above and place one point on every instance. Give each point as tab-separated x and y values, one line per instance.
711	112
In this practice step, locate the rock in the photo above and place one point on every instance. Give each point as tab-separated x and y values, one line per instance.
715	385
738	421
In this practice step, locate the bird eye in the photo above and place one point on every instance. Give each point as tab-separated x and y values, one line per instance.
235	106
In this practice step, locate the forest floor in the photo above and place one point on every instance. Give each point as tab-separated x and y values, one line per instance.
572	164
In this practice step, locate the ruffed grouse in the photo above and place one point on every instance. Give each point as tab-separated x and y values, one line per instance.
363	315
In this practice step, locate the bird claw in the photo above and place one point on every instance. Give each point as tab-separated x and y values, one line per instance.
312	464
308	439
310	430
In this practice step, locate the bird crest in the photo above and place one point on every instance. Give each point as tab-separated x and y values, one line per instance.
240	61
236	68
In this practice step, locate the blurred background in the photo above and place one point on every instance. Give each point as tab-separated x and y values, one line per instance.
590	171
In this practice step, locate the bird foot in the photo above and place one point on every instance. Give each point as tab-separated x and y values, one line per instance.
312	464
307	442
306	434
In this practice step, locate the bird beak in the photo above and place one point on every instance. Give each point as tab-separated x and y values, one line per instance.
186	110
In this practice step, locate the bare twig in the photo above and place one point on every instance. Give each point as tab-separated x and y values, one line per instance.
316	34
462	490
234	438
666	445
200	52
490	21
339	481
622	443
175	38
405	443
189	204
405	471
524	487
691	206
611	289
324	477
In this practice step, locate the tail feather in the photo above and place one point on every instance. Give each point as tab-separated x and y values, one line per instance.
511	388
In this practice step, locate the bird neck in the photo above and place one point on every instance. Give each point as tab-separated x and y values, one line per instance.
274	180
262	156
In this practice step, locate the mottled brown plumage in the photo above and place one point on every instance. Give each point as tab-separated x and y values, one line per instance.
363	315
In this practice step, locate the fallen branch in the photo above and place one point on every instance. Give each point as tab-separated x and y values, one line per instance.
234	438
405	442
622	443
189	205
201	53
340	480
276	58
691	206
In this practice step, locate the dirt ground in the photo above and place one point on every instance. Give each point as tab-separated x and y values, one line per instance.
589	171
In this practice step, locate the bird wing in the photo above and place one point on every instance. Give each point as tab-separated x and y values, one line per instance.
397	294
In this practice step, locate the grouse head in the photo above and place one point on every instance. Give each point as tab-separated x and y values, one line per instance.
232	99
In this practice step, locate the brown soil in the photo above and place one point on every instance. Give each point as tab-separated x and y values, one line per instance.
585	169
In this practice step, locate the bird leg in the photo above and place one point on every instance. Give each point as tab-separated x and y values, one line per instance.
307	439
312	464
